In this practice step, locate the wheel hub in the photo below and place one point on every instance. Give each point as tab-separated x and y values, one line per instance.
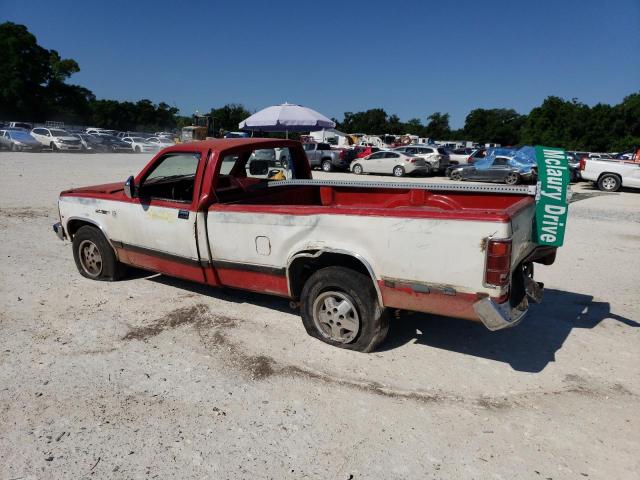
609	183
336	317
90	258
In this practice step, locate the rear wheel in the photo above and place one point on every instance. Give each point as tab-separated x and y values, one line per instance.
327	166
609	183
512	179
357	169
94	257
340	307
456	175
398	171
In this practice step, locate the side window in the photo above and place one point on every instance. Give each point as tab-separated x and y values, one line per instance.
500	161
411	150
427	150
172	178
391	155
248	168
376	156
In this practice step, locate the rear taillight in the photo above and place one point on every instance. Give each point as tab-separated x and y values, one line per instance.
470	159
498	265
341	154
413	160
583	164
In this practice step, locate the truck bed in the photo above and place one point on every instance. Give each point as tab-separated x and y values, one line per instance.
412	200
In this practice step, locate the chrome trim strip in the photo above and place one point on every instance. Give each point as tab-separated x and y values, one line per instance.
455	187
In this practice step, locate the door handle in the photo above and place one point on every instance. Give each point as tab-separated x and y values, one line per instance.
183	214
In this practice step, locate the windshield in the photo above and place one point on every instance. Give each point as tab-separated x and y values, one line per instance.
17	135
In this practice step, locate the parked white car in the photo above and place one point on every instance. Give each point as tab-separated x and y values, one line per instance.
161	142
56	139
460	156
395	163
140	145
436	158
610	175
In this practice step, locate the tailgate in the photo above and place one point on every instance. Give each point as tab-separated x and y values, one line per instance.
522	238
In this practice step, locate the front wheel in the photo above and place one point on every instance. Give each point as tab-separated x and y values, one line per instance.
609	183
54	147
456	176
357	169
327	166
340	307
398	171
94	257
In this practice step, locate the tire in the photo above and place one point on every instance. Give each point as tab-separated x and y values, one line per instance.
137	150
427	170
609	182
357	169
53	146
455	176
94	257
330	288
398	171
14	148
512	179
327	166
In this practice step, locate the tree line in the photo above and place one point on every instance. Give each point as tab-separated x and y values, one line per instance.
33	87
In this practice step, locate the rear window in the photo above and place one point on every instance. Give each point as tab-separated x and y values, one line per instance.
442	151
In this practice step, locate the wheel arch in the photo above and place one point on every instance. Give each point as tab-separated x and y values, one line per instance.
303	264
615	174
76	223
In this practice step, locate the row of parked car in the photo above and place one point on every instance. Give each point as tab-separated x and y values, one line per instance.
37	139
481	164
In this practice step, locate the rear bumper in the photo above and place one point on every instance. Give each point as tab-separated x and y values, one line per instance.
497	316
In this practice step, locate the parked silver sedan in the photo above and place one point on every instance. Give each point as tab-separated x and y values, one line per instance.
387	162
18	141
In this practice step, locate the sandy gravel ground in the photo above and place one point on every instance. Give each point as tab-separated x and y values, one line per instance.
153	377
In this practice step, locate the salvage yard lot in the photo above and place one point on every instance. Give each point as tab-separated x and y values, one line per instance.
157	377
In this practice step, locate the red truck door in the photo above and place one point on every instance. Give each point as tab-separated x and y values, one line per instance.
157	228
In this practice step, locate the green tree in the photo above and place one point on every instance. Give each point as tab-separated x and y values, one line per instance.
25	69
438	127
228	117
498	125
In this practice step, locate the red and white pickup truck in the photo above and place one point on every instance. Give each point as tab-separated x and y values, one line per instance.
217	213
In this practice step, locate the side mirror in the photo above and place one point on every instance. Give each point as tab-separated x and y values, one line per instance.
130	187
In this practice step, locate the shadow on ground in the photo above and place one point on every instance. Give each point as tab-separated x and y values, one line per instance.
226	294
528	347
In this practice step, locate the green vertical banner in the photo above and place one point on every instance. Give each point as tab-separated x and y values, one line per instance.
552	204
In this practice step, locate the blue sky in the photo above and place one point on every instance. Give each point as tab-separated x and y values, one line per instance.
411	58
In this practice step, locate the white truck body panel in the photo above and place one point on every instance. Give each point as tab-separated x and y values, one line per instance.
399	248
628	172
